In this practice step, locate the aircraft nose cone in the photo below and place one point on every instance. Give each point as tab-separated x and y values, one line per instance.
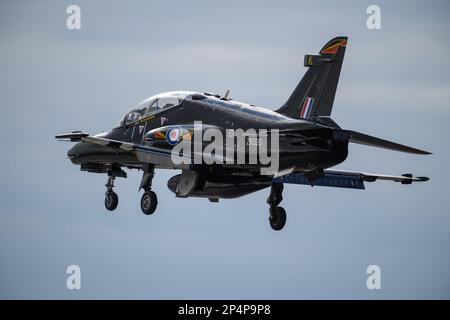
82	150
75	150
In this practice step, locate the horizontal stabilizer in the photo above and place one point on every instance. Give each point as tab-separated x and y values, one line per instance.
361	138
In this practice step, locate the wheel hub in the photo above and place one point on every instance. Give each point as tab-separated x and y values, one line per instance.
146	202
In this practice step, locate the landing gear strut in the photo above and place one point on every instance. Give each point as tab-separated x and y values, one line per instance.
277	215
149	200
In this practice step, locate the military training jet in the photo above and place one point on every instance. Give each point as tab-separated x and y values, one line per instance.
259	148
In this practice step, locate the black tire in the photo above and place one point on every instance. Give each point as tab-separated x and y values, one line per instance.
111	200
149	202
278	219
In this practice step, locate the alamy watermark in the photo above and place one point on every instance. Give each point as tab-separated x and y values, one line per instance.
374	279
73	21
373	21
209	145
73	281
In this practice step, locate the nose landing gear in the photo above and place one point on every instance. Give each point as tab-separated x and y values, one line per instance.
277	215
111	198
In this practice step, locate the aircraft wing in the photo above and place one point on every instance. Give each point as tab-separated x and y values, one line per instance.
126	146
347	179
145	153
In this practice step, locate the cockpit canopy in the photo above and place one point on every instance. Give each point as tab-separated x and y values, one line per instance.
155	104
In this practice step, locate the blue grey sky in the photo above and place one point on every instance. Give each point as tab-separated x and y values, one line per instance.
394	84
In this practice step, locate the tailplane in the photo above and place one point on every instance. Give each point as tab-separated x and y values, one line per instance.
361	138
314	95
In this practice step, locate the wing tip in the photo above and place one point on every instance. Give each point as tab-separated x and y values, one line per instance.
410	178
72	136
422	152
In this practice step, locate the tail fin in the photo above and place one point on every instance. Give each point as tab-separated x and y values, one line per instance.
314	95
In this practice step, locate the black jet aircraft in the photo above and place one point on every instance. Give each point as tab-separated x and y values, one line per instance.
310	142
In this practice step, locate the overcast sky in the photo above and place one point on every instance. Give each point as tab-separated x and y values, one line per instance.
394	84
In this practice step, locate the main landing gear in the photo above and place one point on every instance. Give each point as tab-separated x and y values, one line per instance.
149	200
277	215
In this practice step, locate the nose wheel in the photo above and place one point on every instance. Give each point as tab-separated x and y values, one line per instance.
111	200
277	215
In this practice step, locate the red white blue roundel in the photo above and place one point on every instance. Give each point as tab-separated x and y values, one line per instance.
173	136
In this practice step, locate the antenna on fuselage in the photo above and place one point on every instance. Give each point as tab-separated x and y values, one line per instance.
226	94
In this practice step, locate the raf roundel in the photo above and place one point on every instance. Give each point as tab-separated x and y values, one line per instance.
173	136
